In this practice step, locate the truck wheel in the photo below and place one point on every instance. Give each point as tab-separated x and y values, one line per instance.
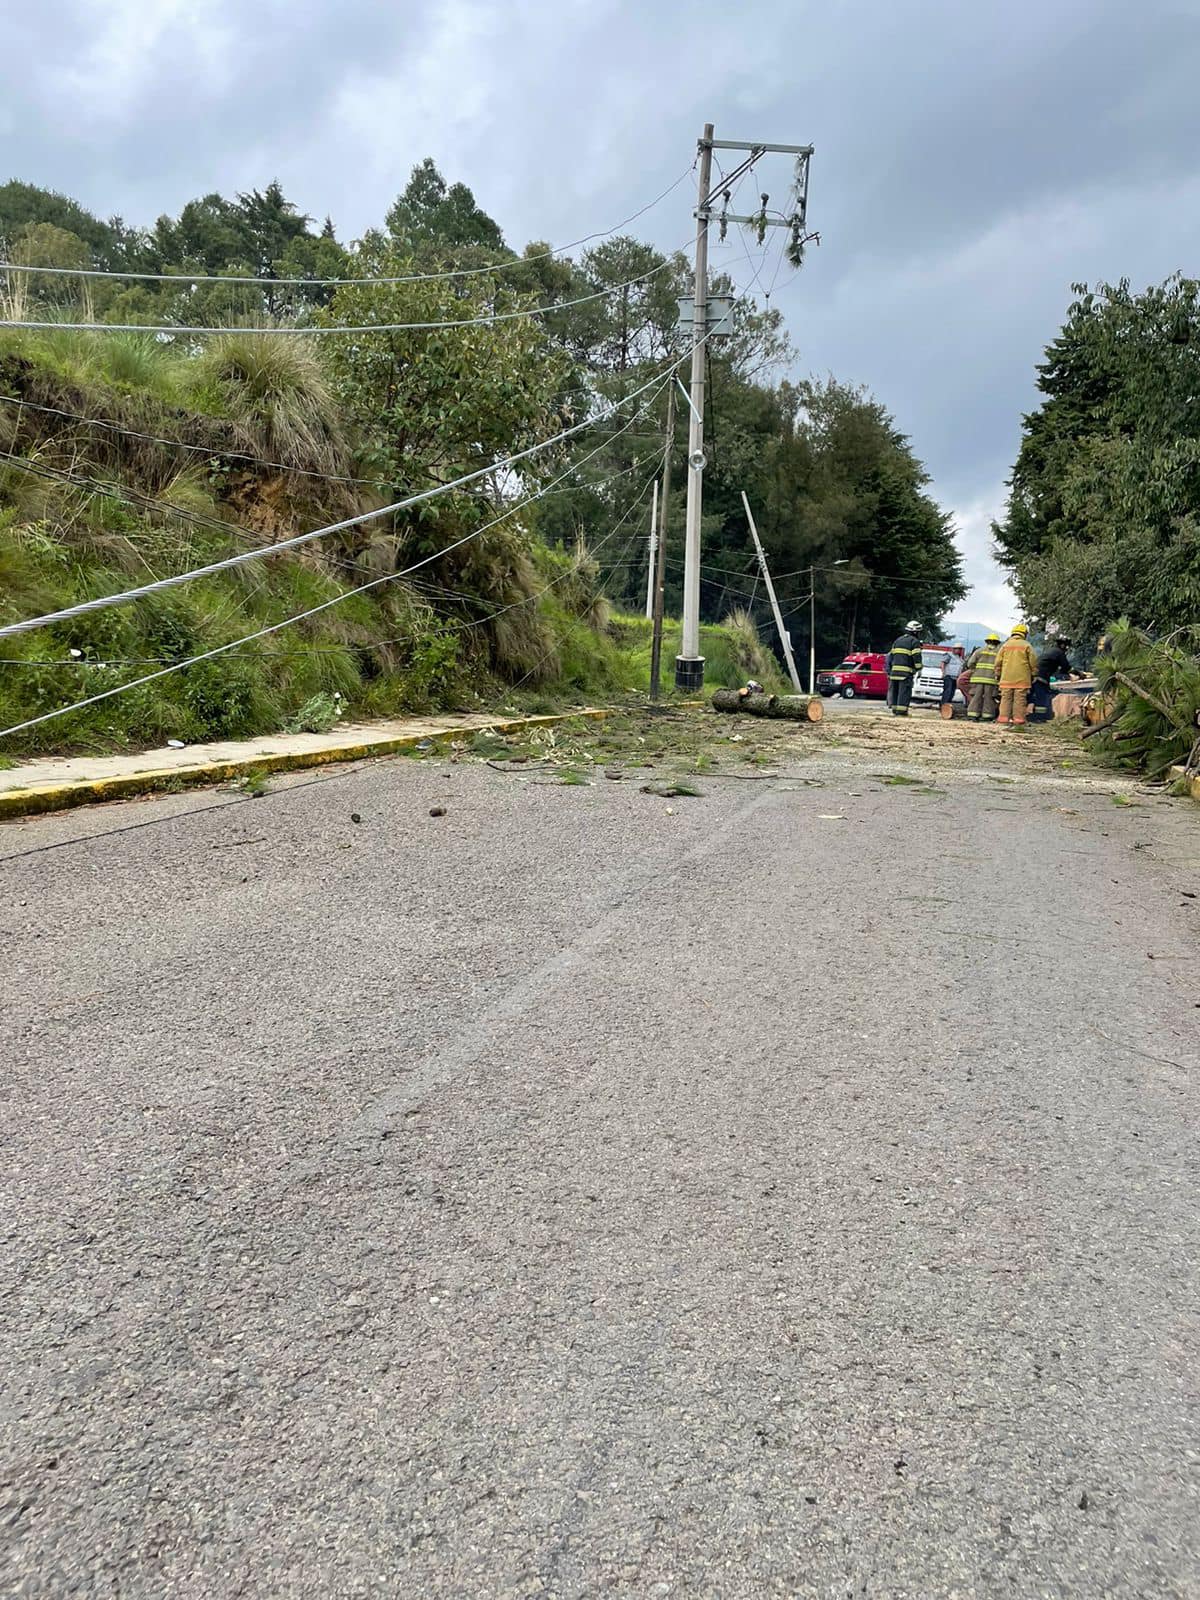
847	691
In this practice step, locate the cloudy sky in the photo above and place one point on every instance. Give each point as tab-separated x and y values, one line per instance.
973	158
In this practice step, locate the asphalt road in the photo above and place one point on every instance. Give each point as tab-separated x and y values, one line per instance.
787	1191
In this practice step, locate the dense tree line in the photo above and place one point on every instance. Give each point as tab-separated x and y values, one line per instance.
841	500
1103	518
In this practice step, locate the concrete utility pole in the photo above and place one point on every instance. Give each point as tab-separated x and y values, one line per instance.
784	640
689	663
650	564
660	573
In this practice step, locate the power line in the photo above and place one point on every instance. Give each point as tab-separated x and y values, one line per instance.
479	622
350	646
574	622
277	283
320	330
275	627
146	502
134	497
104	601
180	444
212	453
871	577
233	644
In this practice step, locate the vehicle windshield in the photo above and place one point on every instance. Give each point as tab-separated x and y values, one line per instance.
933	658
853	666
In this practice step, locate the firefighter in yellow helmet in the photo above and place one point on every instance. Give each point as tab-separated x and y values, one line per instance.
982	667
1016	668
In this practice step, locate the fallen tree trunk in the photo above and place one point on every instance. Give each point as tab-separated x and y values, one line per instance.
798	707
793	707
736	700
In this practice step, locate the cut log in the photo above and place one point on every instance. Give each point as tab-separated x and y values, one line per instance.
1068	705
798	707
737	700
794	707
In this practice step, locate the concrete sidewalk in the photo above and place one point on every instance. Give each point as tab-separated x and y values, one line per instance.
56	783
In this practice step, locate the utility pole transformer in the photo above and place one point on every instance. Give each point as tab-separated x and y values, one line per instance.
689	664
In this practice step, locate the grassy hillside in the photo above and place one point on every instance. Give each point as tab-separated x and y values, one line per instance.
236	446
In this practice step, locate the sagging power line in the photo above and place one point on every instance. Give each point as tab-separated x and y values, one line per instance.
324	330
184	278
275	627
103	602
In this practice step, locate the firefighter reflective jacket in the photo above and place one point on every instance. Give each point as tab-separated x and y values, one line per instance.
982	665
904	658
1016	663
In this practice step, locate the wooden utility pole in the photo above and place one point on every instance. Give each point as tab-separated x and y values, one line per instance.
660	573
652	560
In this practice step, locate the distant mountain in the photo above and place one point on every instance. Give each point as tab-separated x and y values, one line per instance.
969	633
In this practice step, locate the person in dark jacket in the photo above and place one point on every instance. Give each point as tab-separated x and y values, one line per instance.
903	664
1052	663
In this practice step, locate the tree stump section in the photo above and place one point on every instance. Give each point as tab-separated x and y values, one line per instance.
792	707
1097	708
1068	705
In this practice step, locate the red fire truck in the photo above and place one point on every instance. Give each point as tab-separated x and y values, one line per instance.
860	674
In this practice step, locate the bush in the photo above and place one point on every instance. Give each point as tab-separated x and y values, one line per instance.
317	715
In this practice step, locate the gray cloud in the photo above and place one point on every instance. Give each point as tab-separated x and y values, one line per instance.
972	159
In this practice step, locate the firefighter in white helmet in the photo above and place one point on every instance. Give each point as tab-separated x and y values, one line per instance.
903	664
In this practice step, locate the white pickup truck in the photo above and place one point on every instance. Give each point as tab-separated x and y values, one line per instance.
927	685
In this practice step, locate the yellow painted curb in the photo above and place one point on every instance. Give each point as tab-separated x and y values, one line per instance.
85	791
1193	784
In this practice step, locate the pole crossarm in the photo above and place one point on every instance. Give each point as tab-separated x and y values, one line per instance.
760	147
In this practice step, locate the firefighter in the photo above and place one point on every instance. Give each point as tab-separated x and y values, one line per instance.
903	664
982	668
1052	663
1016	666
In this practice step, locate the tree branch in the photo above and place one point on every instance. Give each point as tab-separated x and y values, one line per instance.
1145	695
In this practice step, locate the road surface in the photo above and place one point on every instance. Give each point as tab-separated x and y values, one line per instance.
785	1191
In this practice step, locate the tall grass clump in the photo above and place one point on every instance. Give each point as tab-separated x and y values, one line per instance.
278	389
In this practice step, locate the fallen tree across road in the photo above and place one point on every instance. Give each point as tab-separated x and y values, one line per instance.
1150	689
